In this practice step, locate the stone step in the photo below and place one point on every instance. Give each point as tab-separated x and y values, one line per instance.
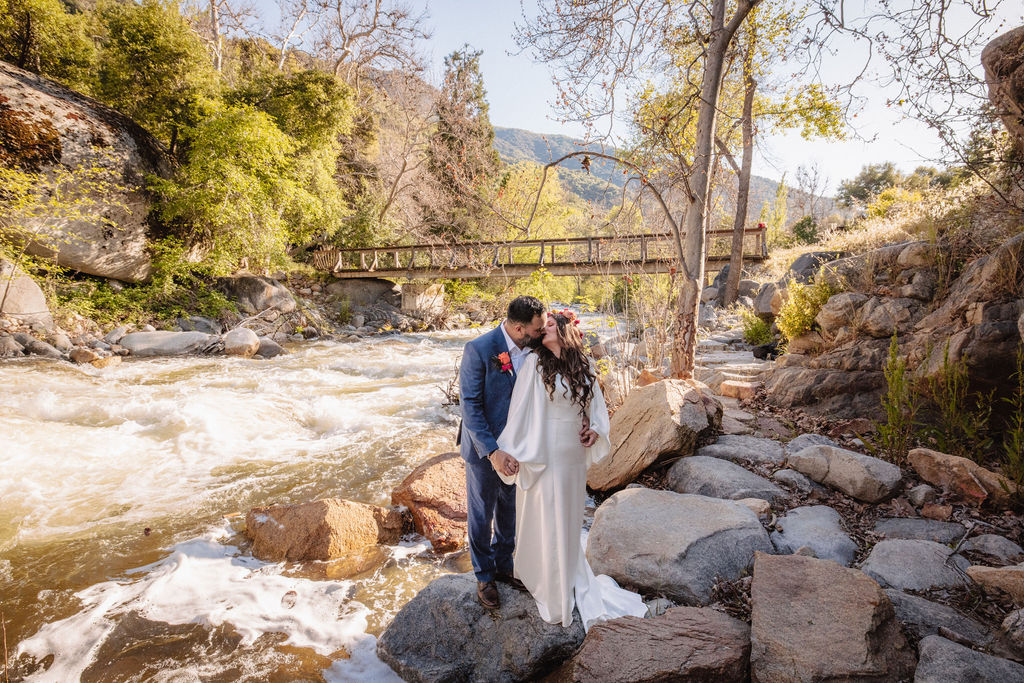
738	389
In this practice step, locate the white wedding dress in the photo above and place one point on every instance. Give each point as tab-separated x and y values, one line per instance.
543	434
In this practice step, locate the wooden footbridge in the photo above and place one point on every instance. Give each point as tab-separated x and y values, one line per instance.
618	255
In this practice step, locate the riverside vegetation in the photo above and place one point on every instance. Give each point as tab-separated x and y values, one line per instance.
885	439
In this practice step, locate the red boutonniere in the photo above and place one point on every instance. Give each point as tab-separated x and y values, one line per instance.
503	361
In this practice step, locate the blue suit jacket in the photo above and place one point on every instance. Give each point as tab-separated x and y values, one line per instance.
485	393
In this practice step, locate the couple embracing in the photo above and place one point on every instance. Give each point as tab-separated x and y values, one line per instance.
533	420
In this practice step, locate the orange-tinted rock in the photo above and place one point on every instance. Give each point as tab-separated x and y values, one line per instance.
961	477
435	494
321	530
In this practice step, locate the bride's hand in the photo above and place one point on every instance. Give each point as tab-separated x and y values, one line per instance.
588	437
504	463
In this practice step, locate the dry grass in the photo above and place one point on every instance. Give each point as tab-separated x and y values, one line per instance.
970	215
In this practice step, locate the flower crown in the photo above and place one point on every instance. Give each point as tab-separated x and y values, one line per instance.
569	316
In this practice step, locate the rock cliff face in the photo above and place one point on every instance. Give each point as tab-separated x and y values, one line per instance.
1003	60
898	290
43	125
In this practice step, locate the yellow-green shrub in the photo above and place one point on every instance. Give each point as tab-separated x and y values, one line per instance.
800	308
755	330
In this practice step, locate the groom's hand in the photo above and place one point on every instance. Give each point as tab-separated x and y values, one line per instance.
588	437
504	463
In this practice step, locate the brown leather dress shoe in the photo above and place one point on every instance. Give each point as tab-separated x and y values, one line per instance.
505	577
487	594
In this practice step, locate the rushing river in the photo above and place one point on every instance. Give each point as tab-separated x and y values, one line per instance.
123	492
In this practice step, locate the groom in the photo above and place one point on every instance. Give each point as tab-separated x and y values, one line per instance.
486	377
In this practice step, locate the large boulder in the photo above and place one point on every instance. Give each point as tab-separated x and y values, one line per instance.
839	312
255	294
435	494
241	341
663	419
925	618
683	644
1007	579
881	317
961	477
943	661
994	550
320	530
674	544
768	301
20	296
740	448
806	266
44	125
857	475
816	527
915	565
719	478
946	533
1003	59
813	620
162	343
366	291
423	299
443	634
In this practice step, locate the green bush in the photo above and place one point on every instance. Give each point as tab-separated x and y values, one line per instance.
796	317
900	403
755	330
1013	437
806	230
962	427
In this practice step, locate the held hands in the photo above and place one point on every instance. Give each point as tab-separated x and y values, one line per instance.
588	437
503	463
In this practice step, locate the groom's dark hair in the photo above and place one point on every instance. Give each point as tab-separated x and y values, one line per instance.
524	309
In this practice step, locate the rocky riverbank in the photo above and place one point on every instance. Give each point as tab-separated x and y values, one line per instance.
269	312
763	552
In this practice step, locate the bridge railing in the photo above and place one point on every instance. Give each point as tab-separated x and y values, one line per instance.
640	249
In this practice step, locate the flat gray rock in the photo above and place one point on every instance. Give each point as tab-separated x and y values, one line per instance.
798	482
865	478
946	533
806	441
164	343
818	528
443	634
915	565
9	347
924	618
943	661
993	550
741	448
674	544
717	478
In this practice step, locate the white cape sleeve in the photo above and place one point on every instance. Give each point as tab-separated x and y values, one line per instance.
521	435
599	422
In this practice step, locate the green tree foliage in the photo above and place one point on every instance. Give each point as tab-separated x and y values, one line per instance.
42	36
154	68
806	230
312	107
242	194
461	156
868	184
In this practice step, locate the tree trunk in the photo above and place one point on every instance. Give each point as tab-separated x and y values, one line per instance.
684	343
218	41
732	283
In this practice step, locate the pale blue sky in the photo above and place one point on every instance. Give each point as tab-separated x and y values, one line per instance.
519	92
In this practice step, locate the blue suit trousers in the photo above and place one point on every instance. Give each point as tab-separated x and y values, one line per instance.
490	501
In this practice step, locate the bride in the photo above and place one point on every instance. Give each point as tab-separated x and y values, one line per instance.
555	387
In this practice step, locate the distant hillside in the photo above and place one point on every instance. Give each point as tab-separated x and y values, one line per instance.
604	184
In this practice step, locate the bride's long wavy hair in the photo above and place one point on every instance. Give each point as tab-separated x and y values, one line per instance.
573	365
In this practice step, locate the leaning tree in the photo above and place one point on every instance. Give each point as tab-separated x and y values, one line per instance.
602	52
